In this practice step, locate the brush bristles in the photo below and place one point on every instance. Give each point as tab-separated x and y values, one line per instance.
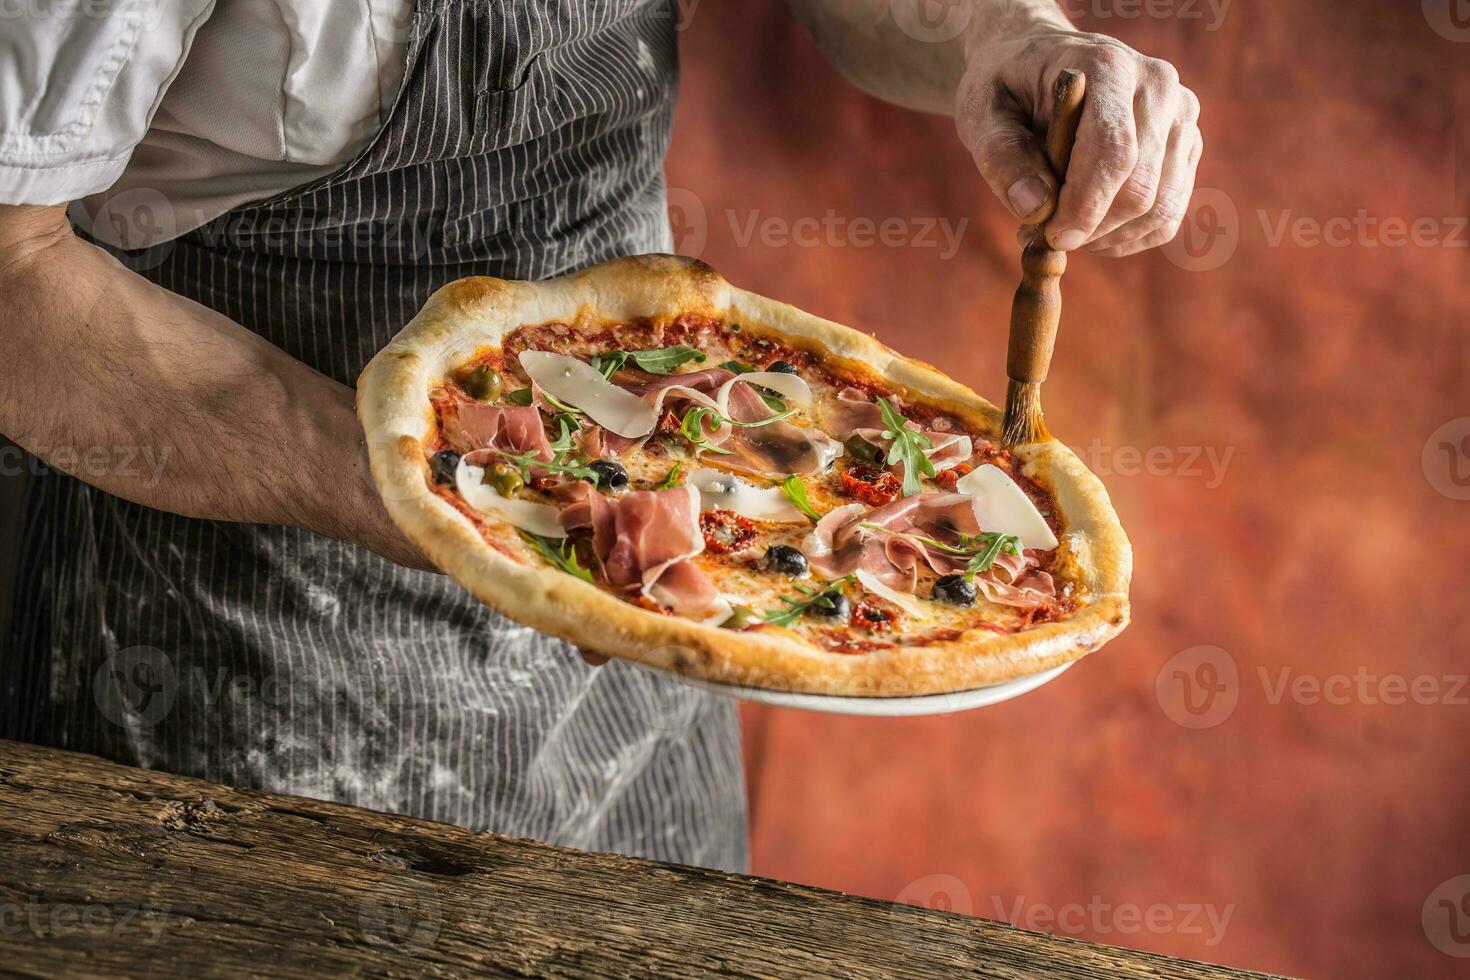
1023	414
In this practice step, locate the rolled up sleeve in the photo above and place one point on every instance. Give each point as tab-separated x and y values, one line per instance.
79	84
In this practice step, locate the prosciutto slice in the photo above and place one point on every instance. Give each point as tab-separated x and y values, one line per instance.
644	540
776	450
855	414
841	545
470	425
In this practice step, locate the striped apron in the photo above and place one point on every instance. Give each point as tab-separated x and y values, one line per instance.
527	141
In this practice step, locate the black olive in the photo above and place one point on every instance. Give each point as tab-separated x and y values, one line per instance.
955	589
610	474
443	464
785	560
863	451
833	604
781	367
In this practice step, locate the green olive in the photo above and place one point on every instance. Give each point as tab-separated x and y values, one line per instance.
863	451
740	617
483	383
506	479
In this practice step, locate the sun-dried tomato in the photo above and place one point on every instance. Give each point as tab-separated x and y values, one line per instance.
875	487
998	455
726	532
948	478
869	615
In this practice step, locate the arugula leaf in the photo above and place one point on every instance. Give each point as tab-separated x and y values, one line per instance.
559	553
981	549
608	363
779	417
566	424
692	428
990	544
575	467
663	360
822	598
672	480
521	396
737	367
795	489
559	405
563	462
908	448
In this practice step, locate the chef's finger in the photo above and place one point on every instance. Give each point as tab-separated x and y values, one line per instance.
1162	223
1157	109
992	125
1105	154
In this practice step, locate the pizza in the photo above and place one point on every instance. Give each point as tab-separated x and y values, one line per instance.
655	465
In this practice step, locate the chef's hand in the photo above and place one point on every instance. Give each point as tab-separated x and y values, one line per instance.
1137	148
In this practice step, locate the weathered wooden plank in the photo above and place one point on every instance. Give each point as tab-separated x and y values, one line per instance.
109	870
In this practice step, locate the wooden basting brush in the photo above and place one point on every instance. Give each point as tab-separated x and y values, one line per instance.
1037	309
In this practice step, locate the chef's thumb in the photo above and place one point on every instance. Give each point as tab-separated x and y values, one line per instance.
1013	163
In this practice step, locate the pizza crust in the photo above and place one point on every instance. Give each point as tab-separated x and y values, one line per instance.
470	314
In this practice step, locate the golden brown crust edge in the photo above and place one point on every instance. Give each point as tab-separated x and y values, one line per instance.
466	315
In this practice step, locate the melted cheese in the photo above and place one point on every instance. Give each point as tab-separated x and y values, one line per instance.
525	514
725	491
1001	505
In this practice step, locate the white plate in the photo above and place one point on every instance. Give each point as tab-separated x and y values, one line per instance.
928	704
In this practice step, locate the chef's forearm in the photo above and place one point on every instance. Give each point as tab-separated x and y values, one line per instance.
914	52
167	403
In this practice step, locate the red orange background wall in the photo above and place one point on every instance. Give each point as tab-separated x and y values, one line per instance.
1269	769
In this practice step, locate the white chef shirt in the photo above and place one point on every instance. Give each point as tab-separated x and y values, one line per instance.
184	109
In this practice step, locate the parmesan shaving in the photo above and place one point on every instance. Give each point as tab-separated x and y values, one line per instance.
1001	505
528	516
582	386
725	491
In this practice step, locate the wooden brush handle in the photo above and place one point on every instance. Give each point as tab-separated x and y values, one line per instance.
1037	309
1066	113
